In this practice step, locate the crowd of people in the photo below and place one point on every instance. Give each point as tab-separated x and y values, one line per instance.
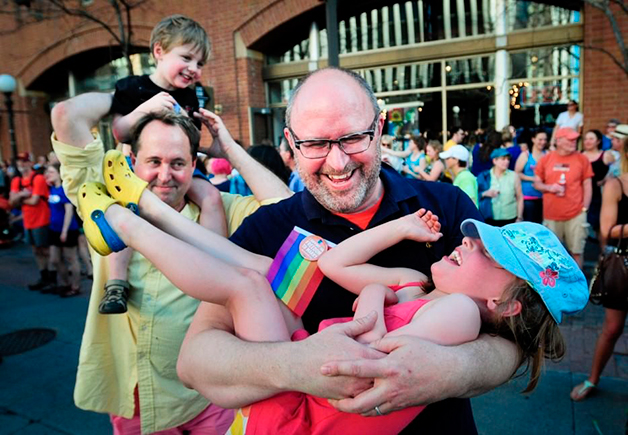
523	176
35	209
218	271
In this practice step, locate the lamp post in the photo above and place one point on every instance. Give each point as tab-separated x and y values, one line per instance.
7	86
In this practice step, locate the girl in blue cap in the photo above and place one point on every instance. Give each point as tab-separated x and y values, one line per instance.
516	281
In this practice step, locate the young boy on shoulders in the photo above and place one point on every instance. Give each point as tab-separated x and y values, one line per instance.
180	47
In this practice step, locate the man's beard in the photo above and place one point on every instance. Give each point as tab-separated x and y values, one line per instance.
343	202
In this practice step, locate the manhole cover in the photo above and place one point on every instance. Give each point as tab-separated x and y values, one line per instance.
24	340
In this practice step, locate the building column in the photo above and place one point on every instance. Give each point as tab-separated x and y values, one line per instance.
502	64
314	48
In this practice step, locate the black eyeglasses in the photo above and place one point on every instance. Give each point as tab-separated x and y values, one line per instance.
353	143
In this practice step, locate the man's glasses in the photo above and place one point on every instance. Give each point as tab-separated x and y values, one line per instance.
353	143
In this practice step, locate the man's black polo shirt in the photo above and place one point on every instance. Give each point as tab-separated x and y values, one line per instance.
265	231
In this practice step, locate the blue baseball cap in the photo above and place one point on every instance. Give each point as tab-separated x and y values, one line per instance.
533	253
499	152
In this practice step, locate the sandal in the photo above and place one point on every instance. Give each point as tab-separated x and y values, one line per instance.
582	391
93	201
122	184
116	295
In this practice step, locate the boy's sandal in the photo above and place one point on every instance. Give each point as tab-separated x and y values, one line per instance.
93	201
582	391
115	299
122	184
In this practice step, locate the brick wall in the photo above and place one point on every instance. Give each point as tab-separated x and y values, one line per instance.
605	84
237	82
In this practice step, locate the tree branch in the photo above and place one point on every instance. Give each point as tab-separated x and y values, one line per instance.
84	14
605	7
609	54
622	5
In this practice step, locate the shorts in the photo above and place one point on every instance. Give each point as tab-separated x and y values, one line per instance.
38	237
616	304
573	232
71	240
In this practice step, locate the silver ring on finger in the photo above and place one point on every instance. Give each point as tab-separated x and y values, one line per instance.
379	413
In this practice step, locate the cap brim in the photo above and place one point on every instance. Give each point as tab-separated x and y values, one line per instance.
495	244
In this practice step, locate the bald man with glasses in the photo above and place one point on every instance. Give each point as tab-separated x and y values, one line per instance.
334	127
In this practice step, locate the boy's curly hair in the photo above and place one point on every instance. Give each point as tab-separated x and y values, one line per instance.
177	30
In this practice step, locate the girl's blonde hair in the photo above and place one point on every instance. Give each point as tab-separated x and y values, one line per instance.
533	330
436	145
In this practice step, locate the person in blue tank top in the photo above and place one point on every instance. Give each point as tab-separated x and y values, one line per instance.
532	198
64	232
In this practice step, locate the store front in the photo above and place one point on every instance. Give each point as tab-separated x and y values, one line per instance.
442	65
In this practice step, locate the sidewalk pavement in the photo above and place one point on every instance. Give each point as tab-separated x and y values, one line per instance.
36	386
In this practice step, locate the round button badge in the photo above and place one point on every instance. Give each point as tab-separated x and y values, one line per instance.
312	247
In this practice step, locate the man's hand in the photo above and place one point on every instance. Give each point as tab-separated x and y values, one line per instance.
557	189
222	138
335	343
415	372
63	236
159	102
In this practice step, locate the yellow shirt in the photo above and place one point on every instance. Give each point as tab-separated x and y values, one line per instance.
449	144
119	352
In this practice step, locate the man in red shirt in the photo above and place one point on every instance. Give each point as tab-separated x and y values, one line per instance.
30	193
564	177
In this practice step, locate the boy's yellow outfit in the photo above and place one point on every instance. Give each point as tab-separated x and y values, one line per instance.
140	348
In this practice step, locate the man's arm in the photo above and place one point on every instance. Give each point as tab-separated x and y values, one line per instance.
73	119
418	372
76	147
122	126
587	192
244	372
546	188
263	183
31	200
17	198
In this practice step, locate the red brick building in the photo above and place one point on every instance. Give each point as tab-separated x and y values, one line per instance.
438	62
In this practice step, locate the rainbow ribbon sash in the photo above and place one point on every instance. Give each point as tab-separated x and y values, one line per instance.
293	278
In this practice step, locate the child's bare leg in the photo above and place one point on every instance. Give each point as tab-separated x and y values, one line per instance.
246	293
119	264
170	221
114	301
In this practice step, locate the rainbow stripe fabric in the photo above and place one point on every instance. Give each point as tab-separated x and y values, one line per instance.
293	278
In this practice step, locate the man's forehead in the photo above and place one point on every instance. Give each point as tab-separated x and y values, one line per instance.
159	139
327	91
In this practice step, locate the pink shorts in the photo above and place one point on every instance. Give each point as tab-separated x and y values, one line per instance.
214	420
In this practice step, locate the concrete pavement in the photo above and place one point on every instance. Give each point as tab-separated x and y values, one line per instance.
36	386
